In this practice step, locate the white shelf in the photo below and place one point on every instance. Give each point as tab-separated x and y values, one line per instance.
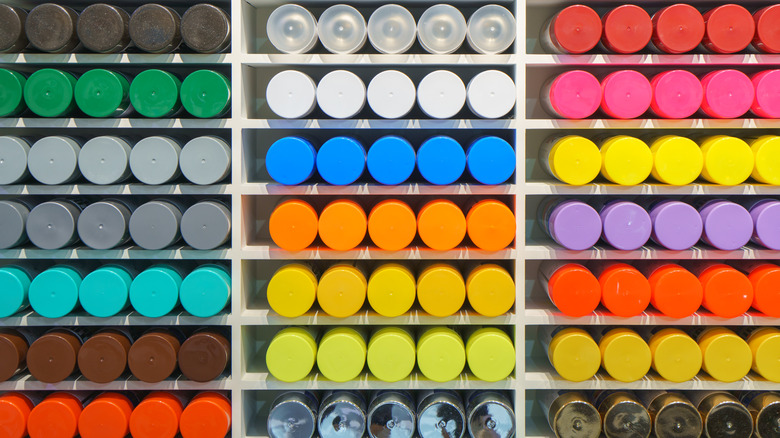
258	60
543	252
552	188
376	189
28	383
366	381
368	317
119	58
180	253
117	189
383	124
259	252
651	124
29	318
56	123
652	59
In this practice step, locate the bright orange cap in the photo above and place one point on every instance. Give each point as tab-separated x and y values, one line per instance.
441	224
675	291
56	416
14	410
157	416
727	292
624	290
342	225
207	415
392	225
574	290
293	225
766	283
108	416
491	225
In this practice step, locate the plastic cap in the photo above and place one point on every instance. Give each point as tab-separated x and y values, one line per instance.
155	160
206	291
676	356
291	354
728	94
677	94
205	28
13	159
624	290
441	29
727	357
206	225
108	416
291	94
13	39
727	226
575	29
391	354
104	224
155	291
574	290
677	160
205	94
391	94
14	218
441	354
624	355
441	160
341	94
490	290
49	92
678	28
627	29
55	292
105	160
341	291
292	29
574	354
491	225
627	226
205	160
766	154
341	160
767	85
766	216
55	417
52	224
728	29
290	160
102	93
342	29
341	355
574	95
15	284
292	290
491	94
626	160
626	94
207	415
342	225
391	290
767	37
155	93
677	293
293	225
491	29
490	354
166	24
54	160
392	225
441	94
441	225
727	292
765	345
15	409
765	278
391	29
104	28
574	225
391	160
491	160
166	218
12	85
157	416
441	290
105	291
676	225
574	160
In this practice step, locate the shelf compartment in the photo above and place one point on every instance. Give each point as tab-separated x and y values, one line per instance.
28	383
29	318
366	381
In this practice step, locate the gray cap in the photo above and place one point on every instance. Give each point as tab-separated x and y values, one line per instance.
105	160
155	160
54	160
155	225
205	160
52	225
13	159
13	216
104	224
206	225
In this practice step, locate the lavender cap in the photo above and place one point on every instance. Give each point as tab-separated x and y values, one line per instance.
627	226
727	226
676	225
766	223
575	225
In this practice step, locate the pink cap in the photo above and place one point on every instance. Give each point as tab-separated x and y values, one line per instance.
728	94
575	94
677	94
767	38
728	29
677	28
575	29
627	29
767	87
626	94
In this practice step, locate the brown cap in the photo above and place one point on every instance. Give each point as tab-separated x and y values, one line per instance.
52	28
152	358
52	357
155	28
104	28
13	350
12	36
103	357
204	356
205	28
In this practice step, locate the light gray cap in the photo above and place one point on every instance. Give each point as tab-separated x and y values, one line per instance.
105	160
155	160
52	225
206	225
104	224
13	159
205	160
155	225
13	216
54	160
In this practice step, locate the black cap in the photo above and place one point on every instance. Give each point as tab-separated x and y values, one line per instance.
205	28
12	36
155	28
52	28
104	28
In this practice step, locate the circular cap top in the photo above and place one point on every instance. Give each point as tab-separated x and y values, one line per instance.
152	357
390	160
206	290
765	344
490	354
341	160
728	94
677	94
728	29
764	278
13	216
155	225
576	29
677	293
53	160
766	150
392	225
491	225
491	94
155	28
206	225
55	417
441	354
204	356
293	225
205	28
765	216
624	290
441	160
341	291
207	415
441	224
577	419
15	409
727	226
12	36
727	357
574	290
49	92
627	29
52	357
55	292
678	28
728	419
491	29
574	225
342	225
627	226
155	160
13	159
11	90
156	416
155	93
104	291
490	290
291	94
292	290
205	160
575	94
205	94
676	225
574	354
391	290
105	160
291	354
574	160
52	28
391	94
676	160
441	290
300	406
625	355
103	357
341	355
767	38
342	29
391	29
108	416
766	84
766	419
727	292
155	291
292	29
103	28
441	94
341	94
491	160
441	29
290	160
626	94
676	356
101	93
13	347
52	225
391	354
103	225
626	160
15	284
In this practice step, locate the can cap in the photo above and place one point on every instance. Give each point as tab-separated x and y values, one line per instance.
627	29
574	160
342	29
13	352
728	29
166	218
52	224
155	291
157	416
13	158
290	160
491	160
155	160
727	292
728	94
441	225
55	417
491	29
491	225
14	218
626	94
207	415
441	94
627	226
391	94
677	94
105	160
392	225
55	292
391	29
155	28
767	38
205	291
105	291
441	160
12	39
676	356
205	94
49	92
574	290
441	29
727	357
441	355
342	225
341	160
391	354
341	94
54	160
293	225
766	154
490	290
204	356
52	357
575	94
676	292
291	94
676	225
104	225
677	160
490	354
677	28
727	226
102	93
103	357
766	84
574	355
52	28
206	225
341	291
764	342
15	409
155	93
104	28
765	278
107	416
292	290
205	160
766	214
205	28
391	160
341	355
291	354
391	290
292	29
626	160
441	290
491	94
624	290
152	357
625	355
12	85
15	284
574	225
576	29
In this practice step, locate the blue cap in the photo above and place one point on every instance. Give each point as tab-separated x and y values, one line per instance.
491	160
155	291
205	291
441	160
105	291
55	292
290	160
15	284
391	160
341	160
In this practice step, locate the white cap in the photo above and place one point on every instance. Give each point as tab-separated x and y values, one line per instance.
341	94
292	29
342	29
391	29
205	160
441	29
54	160
155	160
105	160
491	29
441	94
491	94
391	94
291	94
13	159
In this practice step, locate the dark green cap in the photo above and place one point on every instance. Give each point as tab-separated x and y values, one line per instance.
49	92
102	93
206	94
155	93
11	92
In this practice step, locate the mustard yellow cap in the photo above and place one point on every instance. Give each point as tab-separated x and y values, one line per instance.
574	354
766	153
490	354
292	290
728	160
765	345
727	357
391	354
441	290
625	355
574	160
626	160
677	161
342	354
391	290
291	354
676	356
441	354
490	290
342	290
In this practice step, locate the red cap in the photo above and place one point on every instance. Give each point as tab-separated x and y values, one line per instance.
56	416
576	29
157	416
14	410
676	292
728	29
574	290
627	29
108	416
767	38
678	28
624	290
727	292
766	287
207	415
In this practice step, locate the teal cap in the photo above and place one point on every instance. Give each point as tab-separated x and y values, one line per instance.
49	92
105	291
205	94
155	93
205	291
155	291
14	284
102	93
11	92
54	292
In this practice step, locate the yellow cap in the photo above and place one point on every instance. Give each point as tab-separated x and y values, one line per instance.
765	345
391	290
728	160
490	290
292	290
441	354
677	161
342	354
727	357
574	354
391	354
574	160
625	355
490	354
676	356
626	160
291	354
342	290
441	290
766	153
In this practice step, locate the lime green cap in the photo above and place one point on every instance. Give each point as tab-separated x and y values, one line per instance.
11	92
155	93
441	354
342	354
291	354
391	354
205	94
102	93
490	354
49	92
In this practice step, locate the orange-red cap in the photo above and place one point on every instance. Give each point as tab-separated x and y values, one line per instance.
342	225
157	416
56	416
293	225
208	415
491	225
441	224
675	291
727	292
766	289
14	410
392	225
574	290
624	290
108	416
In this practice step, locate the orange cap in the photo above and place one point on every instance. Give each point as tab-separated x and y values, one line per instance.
342	225
14	410
207	415
491	225
624	290
293	225
108	416
56	416
675	291
727	292
441	224
574	290
392	225
766	283
157	416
